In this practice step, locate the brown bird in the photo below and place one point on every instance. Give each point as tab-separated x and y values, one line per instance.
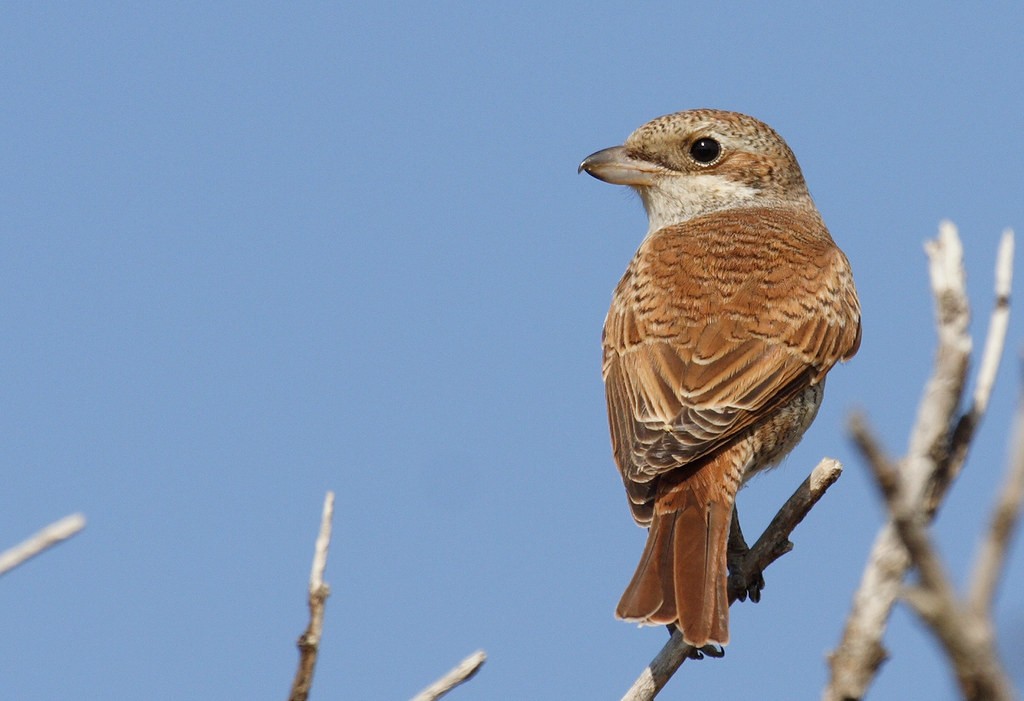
716	345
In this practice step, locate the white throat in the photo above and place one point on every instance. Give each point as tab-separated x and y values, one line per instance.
693	196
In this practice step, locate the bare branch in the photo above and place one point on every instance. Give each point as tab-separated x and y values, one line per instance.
993	352
968	642
46	538
938	448
860	652
464	671
944	389
656	675
309	642
908	521
323	544
997	325
773	544
991	559
967	638
874	455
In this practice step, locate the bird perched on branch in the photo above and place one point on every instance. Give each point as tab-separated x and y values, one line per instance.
716	345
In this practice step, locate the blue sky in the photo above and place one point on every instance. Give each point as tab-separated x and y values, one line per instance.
251	253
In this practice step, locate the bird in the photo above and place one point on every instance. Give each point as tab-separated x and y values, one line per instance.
716	346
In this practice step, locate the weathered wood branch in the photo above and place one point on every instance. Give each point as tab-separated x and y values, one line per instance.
309	641
916	485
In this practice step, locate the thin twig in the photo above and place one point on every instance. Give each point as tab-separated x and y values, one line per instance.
991	559
995	340
997	325
309	641
870	448
773	544
46	538
462	672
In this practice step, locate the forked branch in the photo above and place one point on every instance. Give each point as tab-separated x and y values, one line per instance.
914	488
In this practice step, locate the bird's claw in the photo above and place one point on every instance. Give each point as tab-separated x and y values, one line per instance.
714	651
746	584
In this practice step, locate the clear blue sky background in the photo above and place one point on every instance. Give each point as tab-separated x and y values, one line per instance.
251	253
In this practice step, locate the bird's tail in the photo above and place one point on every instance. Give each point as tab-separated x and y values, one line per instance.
682	577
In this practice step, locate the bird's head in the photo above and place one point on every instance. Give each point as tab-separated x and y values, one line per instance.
688	164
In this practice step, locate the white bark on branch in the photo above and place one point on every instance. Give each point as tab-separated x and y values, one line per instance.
462	672
997	325
56	532
991	559
309	641
937	450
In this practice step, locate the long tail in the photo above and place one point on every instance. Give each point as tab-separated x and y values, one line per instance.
683	574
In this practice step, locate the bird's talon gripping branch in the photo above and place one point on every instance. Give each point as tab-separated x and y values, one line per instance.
745	584
714	651
755	587
743	581
756	595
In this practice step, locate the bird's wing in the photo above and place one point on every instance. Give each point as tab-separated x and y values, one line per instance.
716	322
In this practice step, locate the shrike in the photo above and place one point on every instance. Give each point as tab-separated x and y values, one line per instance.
716	345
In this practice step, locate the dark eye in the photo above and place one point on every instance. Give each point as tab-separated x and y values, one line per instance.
705	150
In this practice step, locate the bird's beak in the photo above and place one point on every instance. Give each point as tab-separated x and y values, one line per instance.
614	165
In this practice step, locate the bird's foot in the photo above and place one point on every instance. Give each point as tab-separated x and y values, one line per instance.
699	653
744	583
743	580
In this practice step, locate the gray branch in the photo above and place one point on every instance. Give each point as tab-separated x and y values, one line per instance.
915	487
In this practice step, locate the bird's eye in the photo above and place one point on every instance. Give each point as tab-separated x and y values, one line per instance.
705	150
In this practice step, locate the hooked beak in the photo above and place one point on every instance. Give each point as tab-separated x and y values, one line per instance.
614	165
